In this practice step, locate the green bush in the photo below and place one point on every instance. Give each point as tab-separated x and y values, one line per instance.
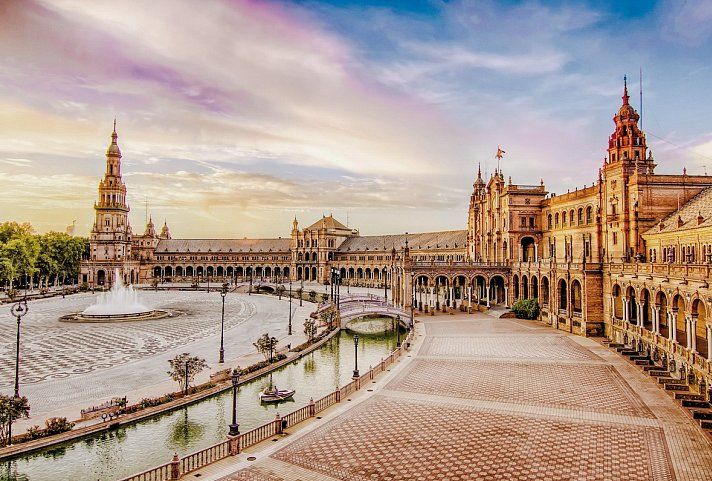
526	308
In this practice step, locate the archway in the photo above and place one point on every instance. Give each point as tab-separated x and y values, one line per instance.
528	249
168	271
286	272
480	289
678	313
563	298
442	294
189	272
617	302
314	276
157	272
647	309
576	298
200	271
515	286
497	290
210	271
534	288
545	291
300	275
179	271
240	272
525	287
632	305
699	314
268	272
230	272
662	305
220	271
100	277
460	289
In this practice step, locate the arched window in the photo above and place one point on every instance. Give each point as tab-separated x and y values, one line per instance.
580	216
556	219
549	221
589	214
563	218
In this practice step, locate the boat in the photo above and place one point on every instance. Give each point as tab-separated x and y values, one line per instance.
271	395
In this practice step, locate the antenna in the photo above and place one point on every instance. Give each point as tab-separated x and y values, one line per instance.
641	97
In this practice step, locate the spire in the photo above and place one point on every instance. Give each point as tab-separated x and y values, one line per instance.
113	149
626	97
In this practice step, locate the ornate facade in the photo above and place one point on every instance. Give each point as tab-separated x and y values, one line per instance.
627	257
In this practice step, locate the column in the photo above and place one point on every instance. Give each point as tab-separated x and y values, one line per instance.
693	333
613	307
488	296
506	296
672	324
536	252
709	342
625	309
640	314
656	320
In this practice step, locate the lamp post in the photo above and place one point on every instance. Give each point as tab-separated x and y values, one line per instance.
397	331
301	293
356	374
249	292
18	310
234	427
223	293
290	308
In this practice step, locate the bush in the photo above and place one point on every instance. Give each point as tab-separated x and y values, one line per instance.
526	308
84	287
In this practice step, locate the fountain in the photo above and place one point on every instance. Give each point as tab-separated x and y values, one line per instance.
118	304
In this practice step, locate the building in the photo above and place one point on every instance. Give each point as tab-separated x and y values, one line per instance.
627	257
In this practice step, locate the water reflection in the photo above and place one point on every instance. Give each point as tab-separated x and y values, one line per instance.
125	451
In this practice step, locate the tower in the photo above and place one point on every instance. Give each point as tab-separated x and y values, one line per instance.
627	145
110	238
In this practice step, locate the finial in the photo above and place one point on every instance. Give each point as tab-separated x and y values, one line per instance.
625	91
114	124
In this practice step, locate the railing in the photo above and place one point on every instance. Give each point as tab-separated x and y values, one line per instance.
461	264
192	462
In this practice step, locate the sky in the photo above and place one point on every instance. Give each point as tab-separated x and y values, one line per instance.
235	116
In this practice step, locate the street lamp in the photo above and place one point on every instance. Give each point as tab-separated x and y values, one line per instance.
290	308
356	374
223	293
234	427
18	310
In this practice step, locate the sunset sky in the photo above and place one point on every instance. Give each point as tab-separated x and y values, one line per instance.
235	116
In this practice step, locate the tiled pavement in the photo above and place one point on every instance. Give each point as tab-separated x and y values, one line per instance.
480	404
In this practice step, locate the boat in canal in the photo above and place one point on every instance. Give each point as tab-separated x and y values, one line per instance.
274	395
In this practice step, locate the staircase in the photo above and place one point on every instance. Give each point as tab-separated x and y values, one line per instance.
697	404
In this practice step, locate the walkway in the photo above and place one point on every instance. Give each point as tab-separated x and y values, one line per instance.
492	399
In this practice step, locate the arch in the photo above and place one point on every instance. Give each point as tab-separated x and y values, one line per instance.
368	273
632	305
359	273
210	271
278	272
647	312
220	271
179	271
258	271
576	297
617	302
300	274
351	273
157	271
101	277
168	271
239	271
314	276
525	287
563	297
534	287
678	314
699	314
268	272
189	271
579	217
249	271
497	289
589	214
286	272
515	286
200	271
528	249
460	288
300	257
230	272
342	272
661	303
545	291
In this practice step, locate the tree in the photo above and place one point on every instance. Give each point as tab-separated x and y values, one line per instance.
312	296
300	291
184	364
310	329
11	409
280	291
266	345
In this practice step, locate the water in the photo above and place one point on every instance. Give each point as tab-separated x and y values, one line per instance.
131	449
119	300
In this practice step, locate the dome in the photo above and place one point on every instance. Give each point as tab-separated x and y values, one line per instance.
627	111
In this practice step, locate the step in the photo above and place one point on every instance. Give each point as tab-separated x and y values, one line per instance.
703	414
642	362
681	382
677	387
615	345
623	348
660	373
653	367
690	397
628	352
705	424
695	404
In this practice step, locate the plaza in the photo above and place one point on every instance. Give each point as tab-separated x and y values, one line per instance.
483	398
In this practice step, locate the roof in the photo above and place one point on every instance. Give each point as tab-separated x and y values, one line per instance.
222	245
451	239
700	204
327	222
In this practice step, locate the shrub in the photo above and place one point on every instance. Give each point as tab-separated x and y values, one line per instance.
526	308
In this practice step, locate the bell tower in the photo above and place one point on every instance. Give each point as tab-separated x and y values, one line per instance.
110	238
627	145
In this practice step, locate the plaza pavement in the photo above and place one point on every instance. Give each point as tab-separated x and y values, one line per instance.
482	398
69	366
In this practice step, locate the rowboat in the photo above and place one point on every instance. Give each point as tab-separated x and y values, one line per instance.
276	395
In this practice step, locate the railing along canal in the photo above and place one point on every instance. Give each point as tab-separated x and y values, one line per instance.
234	445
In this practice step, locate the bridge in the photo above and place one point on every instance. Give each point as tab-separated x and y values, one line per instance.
358	305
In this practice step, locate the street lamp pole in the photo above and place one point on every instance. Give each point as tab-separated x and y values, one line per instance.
18	310
234	427
249	292
356	374
290	308
223	293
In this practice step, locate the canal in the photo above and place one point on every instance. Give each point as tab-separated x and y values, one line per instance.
125	451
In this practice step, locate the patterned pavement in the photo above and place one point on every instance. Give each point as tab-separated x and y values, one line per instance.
476	403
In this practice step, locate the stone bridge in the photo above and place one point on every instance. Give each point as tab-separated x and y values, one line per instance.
358	305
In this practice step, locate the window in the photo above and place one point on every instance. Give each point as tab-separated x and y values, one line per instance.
548	222
589	215
522	221
615	238
580	216
557	219
563	218
531	222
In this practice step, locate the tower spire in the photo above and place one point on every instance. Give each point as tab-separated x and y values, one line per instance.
626	97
